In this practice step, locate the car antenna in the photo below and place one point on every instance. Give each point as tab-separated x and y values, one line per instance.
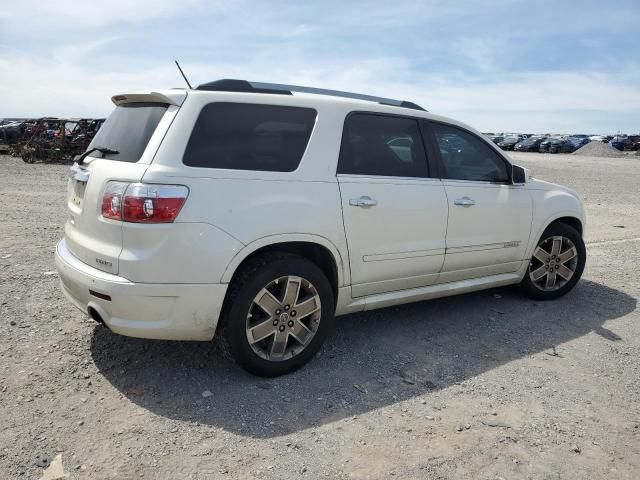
183	75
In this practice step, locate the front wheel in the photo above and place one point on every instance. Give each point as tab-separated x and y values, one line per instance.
279	311
556	265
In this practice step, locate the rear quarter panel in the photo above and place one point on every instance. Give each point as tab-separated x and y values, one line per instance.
252	208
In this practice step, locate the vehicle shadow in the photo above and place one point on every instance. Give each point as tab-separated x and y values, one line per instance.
372	359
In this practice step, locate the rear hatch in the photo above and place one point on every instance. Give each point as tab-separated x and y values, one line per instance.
134	130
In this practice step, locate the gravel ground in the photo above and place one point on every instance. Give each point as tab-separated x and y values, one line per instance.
599	149
482	386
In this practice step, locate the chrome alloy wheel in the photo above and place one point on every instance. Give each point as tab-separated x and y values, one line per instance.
283	318
553	264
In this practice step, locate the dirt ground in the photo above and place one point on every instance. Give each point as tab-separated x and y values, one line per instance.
482	386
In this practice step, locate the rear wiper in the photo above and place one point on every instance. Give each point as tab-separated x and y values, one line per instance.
103	150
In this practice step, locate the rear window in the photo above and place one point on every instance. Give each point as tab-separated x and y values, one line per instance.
241	136
128	130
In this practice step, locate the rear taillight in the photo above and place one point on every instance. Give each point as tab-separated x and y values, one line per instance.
112	200
141	203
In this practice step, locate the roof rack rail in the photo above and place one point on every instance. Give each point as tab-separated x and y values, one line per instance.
233	85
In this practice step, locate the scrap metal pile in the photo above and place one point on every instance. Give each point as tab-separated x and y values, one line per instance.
49	140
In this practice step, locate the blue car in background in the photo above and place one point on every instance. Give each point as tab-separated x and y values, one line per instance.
621	142
578	141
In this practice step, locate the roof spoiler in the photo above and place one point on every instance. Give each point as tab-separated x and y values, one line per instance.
173	98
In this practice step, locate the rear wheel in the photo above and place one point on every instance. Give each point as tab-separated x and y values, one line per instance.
557	263
27	157
279	311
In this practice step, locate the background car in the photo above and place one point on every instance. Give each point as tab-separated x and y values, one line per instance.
635	140
578	141
531	144
621	142
510	142
556	145
12	131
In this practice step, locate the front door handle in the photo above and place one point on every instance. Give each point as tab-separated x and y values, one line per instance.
363	201
464	201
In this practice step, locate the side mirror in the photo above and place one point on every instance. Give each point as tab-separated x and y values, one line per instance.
519	175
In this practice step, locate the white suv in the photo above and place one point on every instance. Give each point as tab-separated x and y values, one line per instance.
261	211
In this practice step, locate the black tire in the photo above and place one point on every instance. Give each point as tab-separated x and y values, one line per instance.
246	284
531	289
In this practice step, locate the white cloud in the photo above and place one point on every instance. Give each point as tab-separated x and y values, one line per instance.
80	52
64	89
482	52
78	14
550	101
74	52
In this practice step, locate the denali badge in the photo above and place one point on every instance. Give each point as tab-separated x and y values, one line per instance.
100	261
511	244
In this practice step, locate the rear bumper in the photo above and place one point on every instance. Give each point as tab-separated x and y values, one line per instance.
145	310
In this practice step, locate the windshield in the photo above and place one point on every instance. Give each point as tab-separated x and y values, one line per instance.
128	130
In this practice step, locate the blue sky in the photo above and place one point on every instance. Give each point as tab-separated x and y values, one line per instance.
535	66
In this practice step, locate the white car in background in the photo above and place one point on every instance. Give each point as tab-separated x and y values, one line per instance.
256	213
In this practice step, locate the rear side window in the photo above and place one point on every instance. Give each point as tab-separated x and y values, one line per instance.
379	145
128	130
242	136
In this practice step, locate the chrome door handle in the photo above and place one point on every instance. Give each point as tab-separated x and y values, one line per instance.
464	201
363	201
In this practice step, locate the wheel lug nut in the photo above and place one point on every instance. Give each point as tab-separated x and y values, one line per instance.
275	322
293	313
290	323
287	307
278	311
281	328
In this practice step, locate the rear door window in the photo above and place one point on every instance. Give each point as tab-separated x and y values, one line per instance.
128	130
242	136
382	145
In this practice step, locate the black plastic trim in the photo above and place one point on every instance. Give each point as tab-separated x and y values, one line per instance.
232	85
405	104
235	85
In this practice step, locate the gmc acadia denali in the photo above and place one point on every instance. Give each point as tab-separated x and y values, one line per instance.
257	212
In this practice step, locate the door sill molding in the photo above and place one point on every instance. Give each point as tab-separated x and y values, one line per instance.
382	300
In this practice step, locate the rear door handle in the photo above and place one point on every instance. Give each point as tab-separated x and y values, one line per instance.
363	201
464	201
